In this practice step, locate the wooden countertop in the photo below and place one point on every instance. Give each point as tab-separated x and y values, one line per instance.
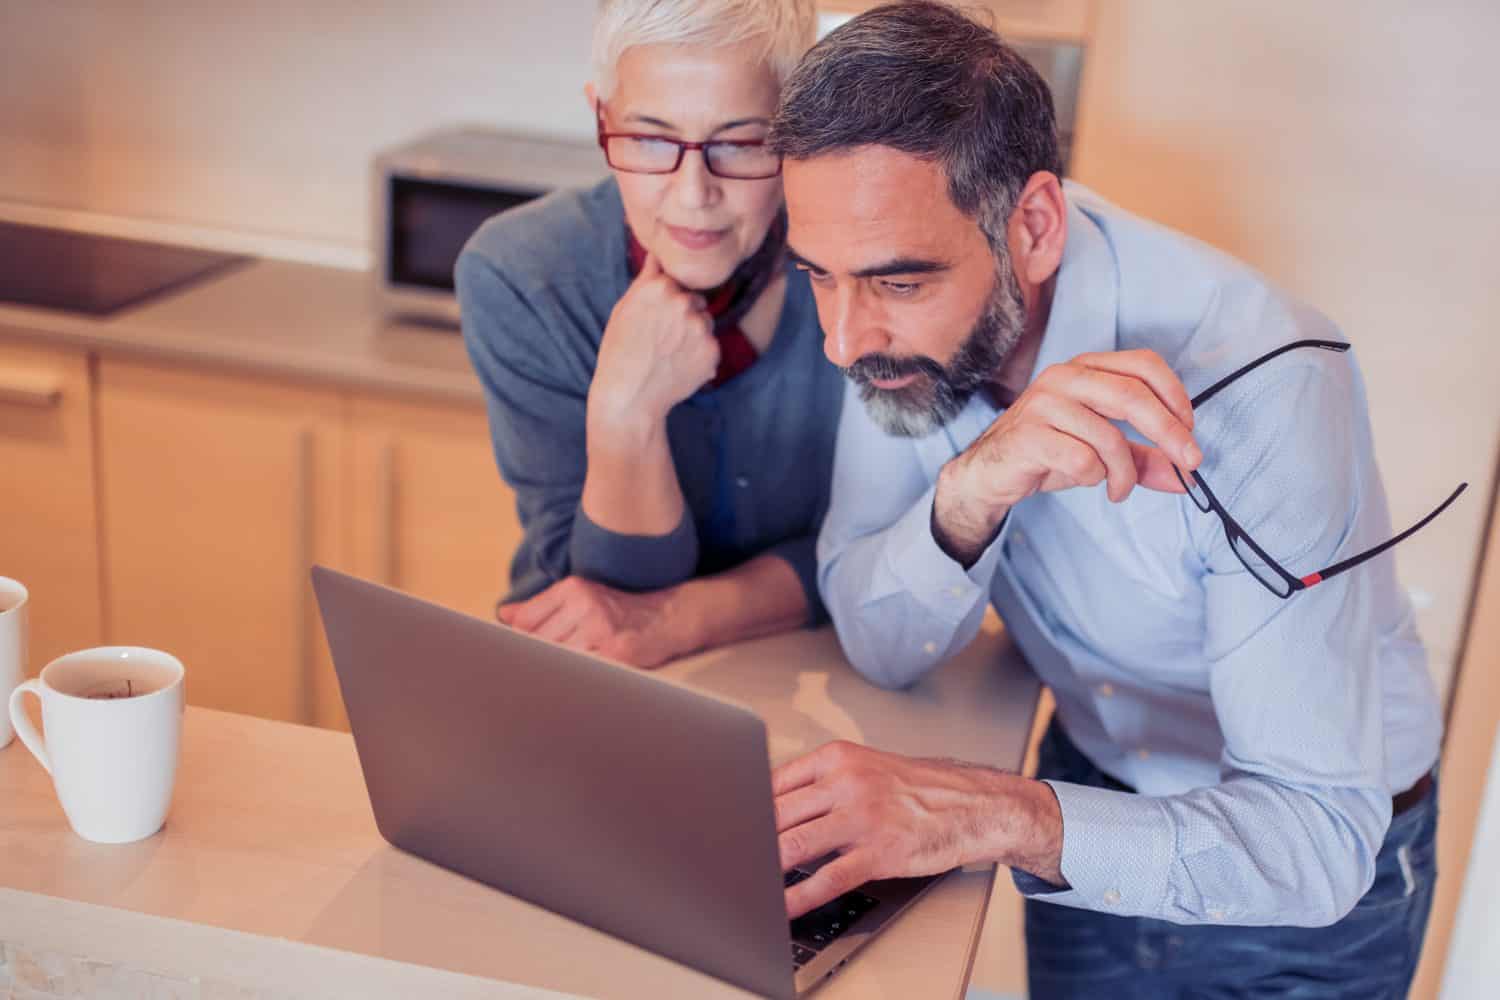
272	317
271	877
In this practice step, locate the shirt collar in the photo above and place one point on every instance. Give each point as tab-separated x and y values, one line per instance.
1086	298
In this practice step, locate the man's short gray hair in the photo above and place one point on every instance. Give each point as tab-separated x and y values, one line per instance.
786	29
924	78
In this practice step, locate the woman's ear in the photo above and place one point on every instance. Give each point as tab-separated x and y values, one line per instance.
592	96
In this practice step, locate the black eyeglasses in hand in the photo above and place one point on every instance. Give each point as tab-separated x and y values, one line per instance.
1268	571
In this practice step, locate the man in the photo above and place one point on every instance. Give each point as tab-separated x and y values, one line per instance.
1234	733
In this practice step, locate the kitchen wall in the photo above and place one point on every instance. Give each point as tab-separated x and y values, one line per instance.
262	117
1347	148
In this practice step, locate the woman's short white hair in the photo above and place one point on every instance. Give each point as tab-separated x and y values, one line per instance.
787	28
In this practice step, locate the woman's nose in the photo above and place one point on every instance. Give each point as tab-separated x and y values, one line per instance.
693	185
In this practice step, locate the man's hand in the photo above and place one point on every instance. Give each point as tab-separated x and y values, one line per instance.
638	629
889	816
658	349
1057	435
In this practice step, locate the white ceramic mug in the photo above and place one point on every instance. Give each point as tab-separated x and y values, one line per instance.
13	599
113	723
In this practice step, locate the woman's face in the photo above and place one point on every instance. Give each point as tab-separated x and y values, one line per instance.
698	226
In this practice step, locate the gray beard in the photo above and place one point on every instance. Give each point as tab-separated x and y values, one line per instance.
942	391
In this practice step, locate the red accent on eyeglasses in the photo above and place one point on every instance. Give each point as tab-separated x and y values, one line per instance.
1312	579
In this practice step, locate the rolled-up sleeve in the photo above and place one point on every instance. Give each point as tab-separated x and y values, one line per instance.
536	394
1291	833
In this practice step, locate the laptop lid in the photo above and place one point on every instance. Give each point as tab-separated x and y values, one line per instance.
621	800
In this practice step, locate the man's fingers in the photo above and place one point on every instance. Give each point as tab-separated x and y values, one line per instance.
1099	435
794	774
813	840
803	804
1069	461
827	883
1121	397
1154	470
1150	368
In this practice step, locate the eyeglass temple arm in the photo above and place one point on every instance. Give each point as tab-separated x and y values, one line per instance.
1327	345
1354	561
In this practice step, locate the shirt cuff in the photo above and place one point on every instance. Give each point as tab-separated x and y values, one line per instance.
1117	855
633	562
801	555
916	565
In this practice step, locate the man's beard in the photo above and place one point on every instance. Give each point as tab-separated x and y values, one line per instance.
940	392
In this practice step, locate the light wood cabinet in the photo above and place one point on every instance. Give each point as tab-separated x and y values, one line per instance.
217	494
429	512
49	538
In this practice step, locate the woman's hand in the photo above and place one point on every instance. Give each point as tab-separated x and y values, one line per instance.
638	629
658	349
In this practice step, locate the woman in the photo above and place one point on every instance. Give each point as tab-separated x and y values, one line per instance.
657	393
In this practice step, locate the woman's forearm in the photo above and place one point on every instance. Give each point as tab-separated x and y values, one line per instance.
760	596
631	485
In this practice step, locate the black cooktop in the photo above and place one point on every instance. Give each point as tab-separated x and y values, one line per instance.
98	275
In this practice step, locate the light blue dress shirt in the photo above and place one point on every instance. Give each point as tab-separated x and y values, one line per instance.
1266	736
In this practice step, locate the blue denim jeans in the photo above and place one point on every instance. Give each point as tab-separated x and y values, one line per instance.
1370	954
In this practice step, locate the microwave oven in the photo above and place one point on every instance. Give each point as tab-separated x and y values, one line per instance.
432	193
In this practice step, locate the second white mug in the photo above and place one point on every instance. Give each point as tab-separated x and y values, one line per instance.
113	723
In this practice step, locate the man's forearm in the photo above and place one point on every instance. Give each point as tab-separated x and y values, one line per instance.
1021	828
962	527
756	598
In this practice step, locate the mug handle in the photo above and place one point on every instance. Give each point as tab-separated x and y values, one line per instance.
21	722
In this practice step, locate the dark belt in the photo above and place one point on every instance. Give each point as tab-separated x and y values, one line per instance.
1416	793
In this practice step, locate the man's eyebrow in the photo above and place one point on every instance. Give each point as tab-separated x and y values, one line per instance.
902	265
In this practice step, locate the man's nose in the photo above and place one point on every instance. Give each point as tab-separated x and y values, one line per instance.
850	331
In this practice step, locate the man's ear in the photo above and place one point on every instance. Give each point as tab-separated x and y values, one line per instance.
1038	228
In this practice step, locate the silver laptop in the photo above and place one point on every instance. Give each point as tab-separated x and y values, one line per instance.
620	800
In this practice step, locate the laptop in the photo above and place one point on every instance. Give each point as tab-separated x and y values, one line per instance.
620	800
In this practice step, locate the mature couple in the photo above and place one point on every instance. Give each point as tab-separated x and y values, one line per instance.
1235	796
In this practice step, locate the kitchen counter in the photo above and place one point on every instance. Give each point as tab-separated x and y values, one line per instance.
273	317
270	879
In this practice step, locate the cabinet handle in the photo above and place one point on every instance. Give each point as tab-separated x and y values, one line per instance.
303	525
30	389
387	507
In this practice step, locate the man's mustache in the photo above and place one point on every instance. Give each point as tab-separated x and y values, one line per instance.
886	368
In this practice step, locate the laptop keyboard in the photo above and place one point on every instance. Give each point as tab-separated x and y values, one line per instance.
816	929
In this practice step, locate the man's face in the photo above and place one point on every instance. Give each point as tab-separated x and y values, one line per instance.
914	305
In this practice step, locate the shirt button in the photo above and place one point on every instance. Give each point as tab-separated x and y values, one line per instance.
955	591
1112	897
1143	753
1106	690
1216	914
929	648
742	482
